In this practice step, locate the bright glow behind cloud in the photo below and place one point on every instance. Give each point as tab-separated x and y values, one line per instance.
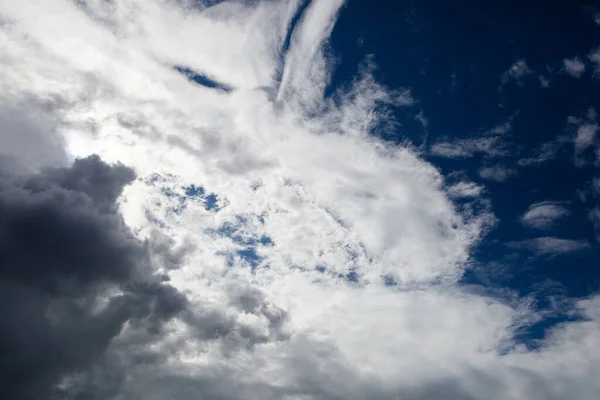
287	163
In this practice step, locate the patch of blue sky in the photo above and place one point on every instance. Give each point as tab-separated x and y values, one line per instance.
201	79
249	243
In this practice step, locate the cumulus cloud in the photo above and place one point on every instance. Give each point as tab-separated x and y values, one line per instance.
548	245
574	67
543	215
298	256
72	275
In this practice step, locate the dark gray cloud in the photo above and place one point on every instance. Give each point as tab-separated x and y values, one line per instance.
71	275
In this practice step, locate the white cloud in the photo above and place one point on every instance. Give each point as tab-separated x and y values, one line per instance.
594	58
302	169
465	189
594	216
585	135
544	83
464	148
489	144
543	215
574	67
497	173
548	245
546	152
517	71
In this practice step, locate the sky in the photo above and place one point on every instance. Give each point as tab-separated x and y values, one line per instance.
299	199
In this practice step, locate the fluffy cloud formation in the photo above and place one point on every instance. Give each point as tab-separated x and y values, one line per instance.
72	276
298	257
543	215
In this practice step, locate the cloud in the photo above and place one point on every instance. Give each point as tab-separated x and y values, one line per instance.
490	144
548	245
305	258
594	216
594	58
517	71
546	151
544	82
584	135
497	173
466	148
72	275
543	215
465	189
574	67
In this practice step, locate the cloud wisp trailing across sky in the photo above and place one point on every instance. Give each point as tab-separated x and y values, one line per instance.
544	215
260	243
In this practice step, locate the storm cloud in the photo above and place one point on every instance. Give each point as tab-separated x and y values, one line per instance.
71	275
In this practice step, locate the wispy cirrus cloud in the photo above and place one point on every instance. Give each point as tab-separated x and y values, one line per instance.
490	143
498	173
548	245
544	215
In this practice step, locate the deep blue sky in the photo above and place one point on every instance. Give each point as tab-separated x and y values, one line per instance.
452	55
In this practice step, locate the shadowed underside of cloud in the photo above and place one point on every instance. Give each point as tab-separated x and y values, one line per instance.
71	275
357	247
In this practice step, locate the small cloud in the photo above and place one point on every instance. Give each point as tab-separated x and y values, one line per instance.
548	245
422	119
465	189
597	18
594	58
543	215
496	173
501	129
466	148
517	71
596	185
585	135
404	98
594	216
544	83
574	67
489	144
546	152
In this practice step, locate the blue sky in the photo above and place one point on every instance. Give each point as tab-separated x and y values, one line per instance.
309	199
453	57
